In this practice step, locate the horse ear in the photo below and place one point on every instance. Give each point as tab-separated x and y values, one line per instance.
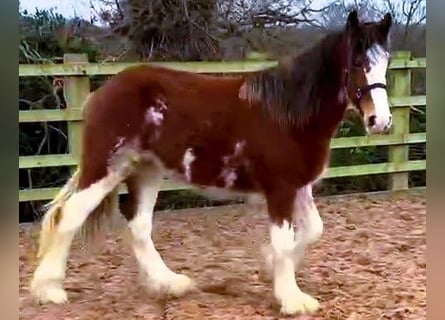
386	23
352	21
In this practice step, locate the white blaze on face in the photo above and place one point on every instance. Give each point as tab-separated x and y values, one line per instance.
379	59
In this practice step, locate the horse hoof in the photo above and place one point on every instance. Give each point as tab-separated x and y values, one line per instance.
301	303
181	284
49	294
175	285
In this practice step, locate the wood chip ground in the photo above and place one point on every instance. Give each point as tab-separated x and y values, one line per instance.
370	264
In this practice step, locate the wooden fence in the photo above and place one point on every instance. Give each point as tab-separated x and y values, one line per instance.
76	71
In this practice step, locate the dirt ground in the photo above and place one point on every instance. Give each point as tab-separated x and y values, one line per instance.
369	264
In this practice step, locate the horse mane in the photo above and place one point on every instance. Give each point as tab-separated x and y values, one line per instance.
290	93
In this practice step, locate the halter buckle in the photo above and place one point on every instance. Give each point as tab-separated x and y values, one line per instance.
361	91
358	94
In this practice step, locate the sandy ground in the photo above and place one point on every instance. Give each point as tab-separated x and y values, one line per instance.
370	264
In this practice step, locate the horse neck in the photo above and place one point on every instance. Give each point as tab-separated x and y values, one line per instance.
333	96
325	123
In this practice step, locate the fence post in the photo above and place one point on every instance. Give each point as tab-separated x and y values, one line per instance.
76	89
399	86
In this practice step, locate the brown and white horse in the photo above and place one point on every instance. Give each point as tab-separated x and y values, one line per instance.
266	133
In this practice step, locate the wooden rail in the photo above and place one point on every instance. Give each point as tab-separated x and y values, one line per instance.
76	71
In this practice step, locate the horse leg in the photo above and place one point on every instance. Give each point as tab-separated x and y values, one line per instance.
47	282
143	187
287	243
308	219
308	222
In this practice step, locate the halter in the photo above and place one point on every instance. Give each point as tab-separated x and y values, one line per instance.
360	92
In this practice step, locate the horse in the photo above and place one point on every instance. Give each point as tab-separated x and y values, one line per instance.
265	133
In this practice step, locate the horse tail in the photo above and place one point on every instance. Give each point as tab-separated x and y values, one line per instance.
102	218
53	213
54	209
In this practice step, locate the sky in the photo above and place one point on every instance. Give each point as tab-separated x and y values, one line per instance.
68	8
81	8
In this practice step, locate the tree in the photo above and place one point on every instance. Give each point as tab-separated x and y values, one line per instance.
239	15
174	29
409	14
194	29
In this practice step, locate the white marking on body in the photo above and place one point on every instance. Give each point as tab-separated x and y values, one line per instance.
239	147
286	252
228	173
47	282
229	176
154	116
187	160
379	60
159	278
120	142
117	146
125	159
155	113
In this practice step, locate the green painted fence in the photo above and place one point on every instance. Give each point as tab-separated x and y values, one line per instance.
76	71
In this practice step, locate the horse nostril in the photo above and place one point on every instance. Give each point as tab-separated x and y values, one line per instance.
371	121
390	119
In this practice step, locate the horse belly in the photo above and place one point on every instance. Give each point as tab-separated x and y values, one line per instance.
211	164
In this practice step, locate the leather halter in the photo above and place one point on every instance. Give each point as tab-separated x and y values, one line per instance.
360	92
